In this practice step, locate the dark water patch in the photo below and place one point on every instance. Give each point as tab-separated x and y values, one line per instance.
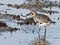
33	31
2	4
4	37
58	18
56	37
8	9
0	34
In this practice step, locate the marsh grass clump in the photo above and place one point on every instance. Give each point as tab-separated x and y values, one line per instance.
9	5
3	24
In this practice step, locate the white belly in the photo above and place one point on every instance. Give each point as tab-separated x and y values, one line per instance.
44	24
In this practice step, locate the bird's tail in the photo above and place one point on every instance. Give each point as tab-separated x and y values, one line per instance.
53	22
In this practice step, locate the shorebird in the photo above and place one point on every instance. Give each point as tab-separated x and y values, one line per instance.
43	20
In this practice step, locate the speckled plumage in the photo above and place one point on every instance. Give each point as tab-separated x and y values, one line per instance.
42	19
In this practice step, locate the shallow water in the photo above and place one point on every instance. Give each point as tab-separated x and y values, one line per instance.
28	34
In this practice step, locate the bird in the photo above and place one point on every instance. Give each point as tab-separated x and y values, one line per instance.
42	19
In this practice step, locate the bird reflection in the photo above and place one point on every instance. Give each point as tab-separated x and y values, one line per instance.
40	40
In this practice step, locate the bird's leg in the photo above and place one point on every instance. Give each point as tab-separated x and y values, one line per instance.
39	33
38	38
39	29
44	32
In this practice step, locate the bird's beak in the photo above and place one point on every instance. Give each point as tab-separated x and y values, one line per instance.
28	14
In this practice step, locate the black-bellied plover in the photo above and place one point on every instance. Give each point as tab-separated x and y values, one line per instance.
42	19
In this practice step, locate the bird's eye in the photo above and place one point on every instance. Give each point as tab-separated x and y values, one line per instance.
38	17
31	13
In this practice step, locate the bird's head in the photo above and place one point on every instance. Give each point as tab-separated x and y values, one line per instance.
32	13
